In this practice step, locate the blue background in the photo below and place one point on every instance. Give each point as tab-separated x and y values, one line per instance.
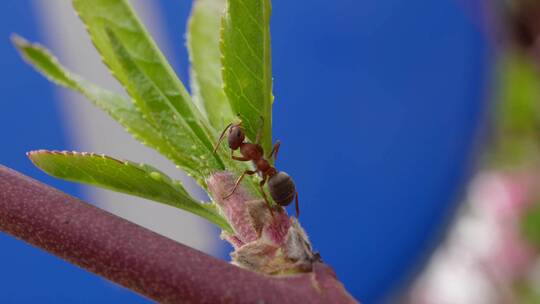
378	106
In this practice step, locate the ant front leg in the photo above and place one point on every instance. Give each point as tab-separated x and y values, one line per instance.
247	172
238	158
261	186
275	150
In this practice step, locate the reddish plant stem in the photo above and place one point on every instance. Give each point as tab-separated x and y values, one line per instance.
142	260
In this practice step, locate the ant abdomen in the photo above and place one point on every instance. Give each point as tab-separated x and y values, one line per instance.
281	188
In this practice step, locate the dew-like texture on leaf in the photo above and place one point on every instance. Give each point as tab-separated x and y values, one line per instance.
205	57
135	60
247	71
123	176
118	107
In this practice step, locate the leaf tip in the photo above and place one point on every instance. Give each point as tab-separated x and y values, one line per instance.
21	44
33	153
18	41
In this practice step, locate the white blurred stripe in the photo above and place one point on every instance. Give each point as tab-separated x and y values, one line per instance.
89	129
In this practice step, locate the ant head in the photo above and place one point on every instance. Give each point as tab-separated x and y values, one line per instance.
236	136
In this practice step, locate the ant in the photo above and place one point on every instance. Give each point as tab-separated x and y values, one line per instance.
280	184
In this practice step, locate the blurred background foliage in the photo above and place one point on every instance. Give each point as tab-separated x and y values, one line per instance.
517	117
491	253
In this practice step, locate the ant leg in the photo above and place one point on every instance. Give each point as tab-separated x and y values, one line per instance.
275	150
238	158
247	172
297	206
261	184
222	136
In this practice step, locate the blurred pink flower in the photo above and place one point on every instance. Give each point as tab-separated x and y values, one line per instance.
484	253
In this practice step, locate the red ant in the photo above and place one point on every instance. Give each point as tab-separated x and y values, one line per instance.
280	184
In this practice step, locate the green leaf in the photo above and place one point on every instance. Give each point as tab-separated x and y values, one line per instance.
119	108
247	68
42	59
126	177
203	45
137	63
154	104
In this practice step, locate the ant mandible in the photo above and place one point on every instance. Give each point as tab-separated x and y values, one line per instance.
280	184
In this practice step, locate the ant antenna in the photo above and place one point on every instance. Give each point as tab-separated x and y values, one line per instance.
222	136
223	133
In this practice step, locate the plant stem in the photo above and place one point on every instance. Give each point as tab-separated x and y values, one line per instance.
141	260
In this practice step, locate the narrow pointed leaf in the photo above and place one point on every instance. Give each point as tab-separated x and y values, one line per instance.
247	71
203	44
126	177
118	107
142	69
154	104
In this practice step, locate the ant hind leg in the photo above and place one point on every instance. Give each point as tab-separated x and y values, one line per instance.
261	186
275	150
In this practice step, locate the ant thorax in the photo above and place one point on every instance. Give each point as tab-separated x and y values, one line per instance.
262	165
251	151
